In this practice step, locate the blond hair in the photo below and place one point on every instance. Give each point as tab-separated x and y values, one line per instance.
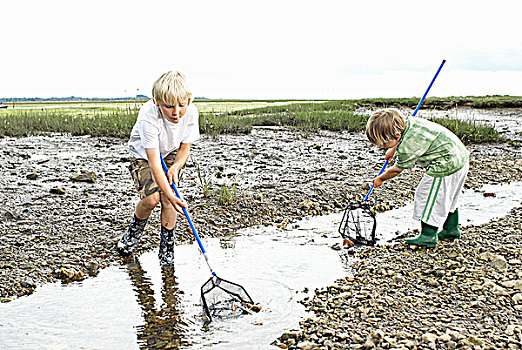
171	89
383	126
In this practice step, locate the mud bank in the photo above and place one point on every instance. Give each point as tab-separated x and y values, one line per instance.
54	227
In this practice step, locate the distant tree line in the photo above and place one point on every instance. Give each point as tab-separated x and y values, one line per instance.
71	98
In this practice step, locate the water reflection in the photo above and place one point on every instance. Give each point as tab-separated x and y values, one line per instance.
164	327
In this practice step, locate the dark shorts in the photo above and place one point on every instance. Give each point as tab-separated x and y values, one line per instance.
142	175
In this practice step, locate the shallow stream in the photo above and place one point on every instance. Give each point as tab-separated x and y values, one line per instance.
127	306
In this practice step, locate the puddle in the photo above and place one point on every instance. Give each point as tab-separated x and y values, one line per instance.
505	121
131	305
274	266
98	313
474	209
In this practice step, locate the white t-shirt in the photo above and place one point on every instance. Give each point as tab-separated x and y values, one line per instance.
153	131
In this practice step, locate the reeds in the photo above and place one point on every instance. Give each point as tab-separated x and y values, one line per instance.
31	122
306	116
470	131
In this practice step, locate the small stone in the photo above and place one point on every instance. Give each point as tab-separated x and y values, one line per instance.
305	205
429	338
499	263
444	338
57	190
510	330
306	345
398	278
433	282
517	298
32	176
289	335
84	176
336	246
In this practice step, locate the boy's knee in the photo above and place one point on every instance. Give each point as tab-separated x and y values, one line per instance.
152	200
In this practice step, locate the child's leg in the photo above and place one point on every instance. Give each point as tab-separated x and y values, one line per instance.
427	237
129	240
450	230
149	193
168	218
429	202
456	181
431	205
168	228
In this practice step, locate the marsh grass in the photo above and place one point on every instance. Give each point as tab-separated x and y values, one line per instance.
470	131
32	122
205	180
218	124
330	115
492	101
306	116
227	194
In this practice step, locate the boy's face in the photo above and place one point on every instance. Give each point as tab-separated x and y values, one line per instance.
392	143
173	113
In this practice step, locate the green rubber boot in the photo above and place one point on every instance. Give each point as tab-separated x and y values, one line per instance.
450	230
427	237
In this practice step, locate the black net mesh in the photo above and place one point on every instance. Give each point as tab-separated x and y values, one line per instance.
358	224
222	298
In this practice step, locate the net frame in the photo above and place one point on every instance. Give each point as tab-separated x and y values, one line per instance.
350	226
237	294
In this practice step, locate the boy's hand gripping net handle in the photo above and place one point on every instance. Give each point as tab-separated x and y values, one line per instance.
413	115
373	185
194	231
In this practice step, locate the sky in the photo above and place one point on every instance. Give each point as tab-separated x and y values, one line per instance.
261	49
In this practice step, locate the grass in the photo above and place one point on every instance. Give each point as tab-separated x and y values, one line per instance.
116	118
470	131
205	180
30	122
227	194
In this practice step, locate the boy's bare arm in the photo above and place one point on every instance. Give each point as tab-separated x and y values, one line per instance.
153	156
388	174
390	153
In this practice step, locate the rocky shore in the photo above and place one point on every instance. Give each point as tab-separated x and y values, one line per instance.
65	201
465	294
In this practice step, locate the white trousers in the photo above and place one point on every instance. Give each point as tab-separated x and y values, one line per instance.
436	197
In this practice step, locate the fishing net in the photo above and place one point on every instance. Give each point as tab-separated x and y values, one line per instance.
222	298
358	224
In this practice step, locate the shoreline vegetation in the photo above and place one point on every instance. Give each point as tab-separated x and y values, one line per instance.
236	117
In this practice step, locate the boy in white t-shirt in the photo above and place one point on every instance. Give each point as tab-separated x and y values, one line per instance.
166	125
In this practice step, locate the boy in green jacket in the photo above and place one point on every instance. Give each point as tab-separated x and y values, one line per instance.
441	153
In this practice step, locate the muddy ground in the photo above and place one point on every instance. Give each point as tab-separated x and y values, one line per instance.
54	226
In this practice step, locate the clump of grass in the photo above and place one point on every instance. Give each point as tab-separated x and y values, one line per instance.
331	115
215	124
227	194
205	181
470	131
